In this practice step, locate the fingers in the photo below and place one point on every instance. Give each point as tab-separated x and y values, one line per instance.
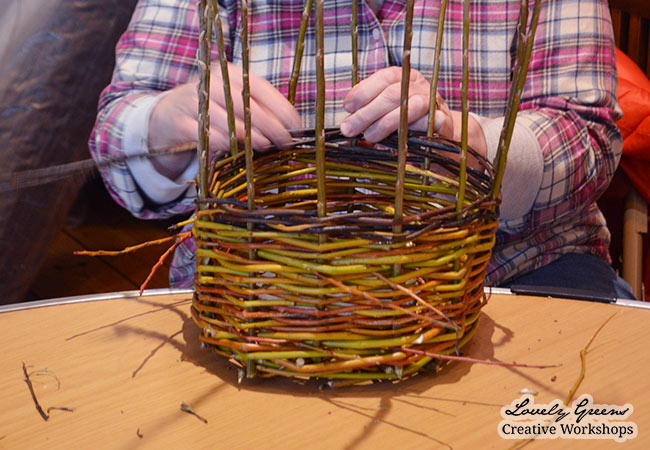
368	89
374	104
389	122
271	114
219	129
443	122
273	102
263	93
369	116
174	121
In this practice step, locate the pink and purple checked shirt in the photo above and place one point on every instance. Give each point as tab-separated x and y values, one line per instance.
566	145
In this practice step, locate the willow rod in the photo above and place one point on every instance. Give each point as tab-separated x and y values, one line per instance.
402	135
433	94
462	176
203	92
227	93
355	43
250	182
300	48
514	81
248	148
516	88
320	111
355	62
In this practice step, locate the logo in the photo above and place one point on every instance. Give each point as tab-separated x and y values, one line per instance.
584	419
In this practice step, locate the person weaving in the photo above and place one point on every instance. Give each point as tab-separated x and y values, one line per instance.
565	146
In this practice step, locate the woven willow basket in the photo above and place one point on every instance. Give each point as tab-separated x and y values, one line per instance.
337	259
343	296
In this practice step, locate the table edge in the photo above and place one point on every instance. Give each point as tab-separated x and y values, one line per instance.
174	291
91	298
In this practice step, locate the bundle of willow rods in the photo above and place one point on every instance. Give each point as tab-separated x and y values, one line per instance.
338	259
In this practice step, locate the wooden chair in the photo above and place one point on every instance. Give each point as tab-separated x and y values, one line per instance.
631	23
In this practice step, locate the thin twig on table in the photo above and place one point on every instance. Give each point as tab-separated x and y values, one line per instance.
186	408
583	361
31	391
60	408
28	380
581	376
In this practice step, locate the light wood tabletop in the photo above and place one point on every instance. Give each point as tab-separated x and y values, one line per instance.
123	367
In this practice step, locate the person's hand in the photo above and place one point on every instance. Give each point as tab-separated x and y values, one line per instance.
174	120
374	106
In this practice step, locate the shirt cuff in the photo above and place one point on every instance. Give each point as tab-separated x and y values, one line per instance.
157	187
524	167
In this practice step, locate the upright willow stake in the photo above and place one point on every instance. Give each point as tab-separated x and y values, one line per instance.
203	91
524	48
300	48
462	176
355	66
248	148
246	95
433	93
402	135
436	70
227	93
355	43
320	111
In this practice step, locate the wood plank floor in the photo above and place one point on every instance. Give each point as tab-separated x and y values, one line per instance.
98	223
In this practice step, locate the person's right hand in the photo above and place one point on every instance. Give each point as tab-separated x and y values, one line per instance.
174	120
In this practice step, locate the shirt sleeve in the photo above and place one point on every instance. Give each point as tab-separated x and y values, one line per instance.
524	167
155	186
156	53
569	105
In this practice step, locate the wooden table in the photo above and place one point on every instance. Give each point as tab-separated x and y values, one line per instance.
126	365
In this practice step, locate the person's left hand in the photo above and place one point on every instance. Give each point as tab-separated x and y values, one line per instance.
374	106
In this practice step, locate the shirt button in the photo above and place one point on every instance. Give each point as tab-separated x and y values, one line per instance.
376	33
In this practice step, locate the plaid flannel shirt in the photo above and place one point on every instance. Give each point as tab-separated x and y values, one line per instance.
568	102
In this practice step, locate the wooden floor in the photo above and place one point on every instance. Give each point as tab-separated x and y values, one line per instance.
98	223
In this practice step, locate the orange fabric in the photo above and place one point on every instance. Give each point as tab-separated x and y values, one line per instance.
635	123
634	98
